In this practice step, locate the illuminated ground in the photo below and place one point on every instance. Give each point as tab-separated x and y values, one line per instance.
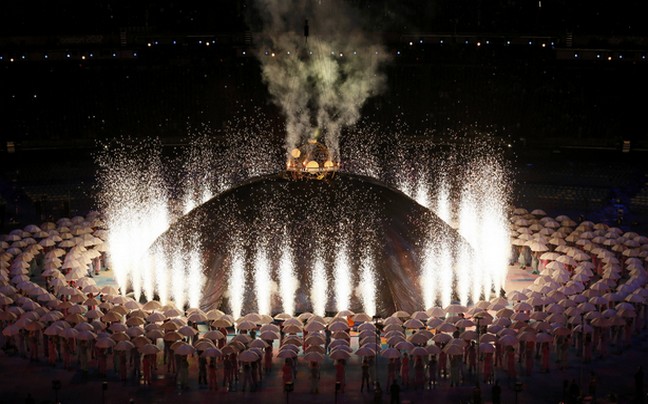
615	372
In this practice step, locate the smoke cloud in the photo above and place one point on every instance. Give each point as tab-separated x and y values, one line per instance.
322	80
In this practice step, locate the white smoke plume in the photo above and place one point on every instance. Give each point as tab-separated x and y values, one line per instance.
322	80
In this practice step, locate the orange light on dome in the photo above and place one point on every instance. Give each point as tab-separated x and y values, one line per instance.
312	166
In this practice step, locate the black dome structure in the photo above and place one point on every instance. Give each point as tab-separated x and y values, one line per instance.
314	218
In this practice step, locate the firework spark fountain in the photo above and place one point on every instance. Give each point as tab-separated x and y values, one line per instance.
159	264
319	287
342	278
368	286
236	289
469	223
262	281
178	279
430	273
136	205
134	201
288	282
194	277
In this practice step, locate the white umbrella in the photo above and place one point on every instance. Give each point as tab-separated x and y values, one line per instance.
414	323
365	351
248	356
339	354
390	353
184	350
314	357
211	353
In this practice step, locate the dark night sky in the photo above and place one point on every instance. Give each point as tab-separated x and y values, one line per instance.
519	91
623	17
527	91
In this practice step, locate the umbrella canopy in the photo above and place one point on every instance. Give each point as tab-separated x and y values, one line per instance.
390	353
433	349
366	327
414	323
455	309
155	334
69	333
365	351
441	338
314	326
149	349
258	343
187	331
105	343
222	323
486	347
211	353
315	340
314	357
418	338
508	340
419	351
248	356
361	317
184	350
173	336
246	325
401	313
453	349
124	346
53	330
339	354
404	346
269	335
86	335
338	326
286	353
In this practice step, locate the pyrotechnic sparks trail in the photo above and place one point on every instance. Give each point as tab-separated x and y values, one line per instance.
422	191
178	278
446	276
134	200
159	262
262	282
472	197
148	276
443	205
198	172
495	242
469	229
194	277
342	278
430	272
368	286
237	283
288	282
319	287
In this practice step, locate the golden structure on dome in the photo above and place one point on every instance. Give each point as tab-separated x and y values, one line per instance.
312	160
